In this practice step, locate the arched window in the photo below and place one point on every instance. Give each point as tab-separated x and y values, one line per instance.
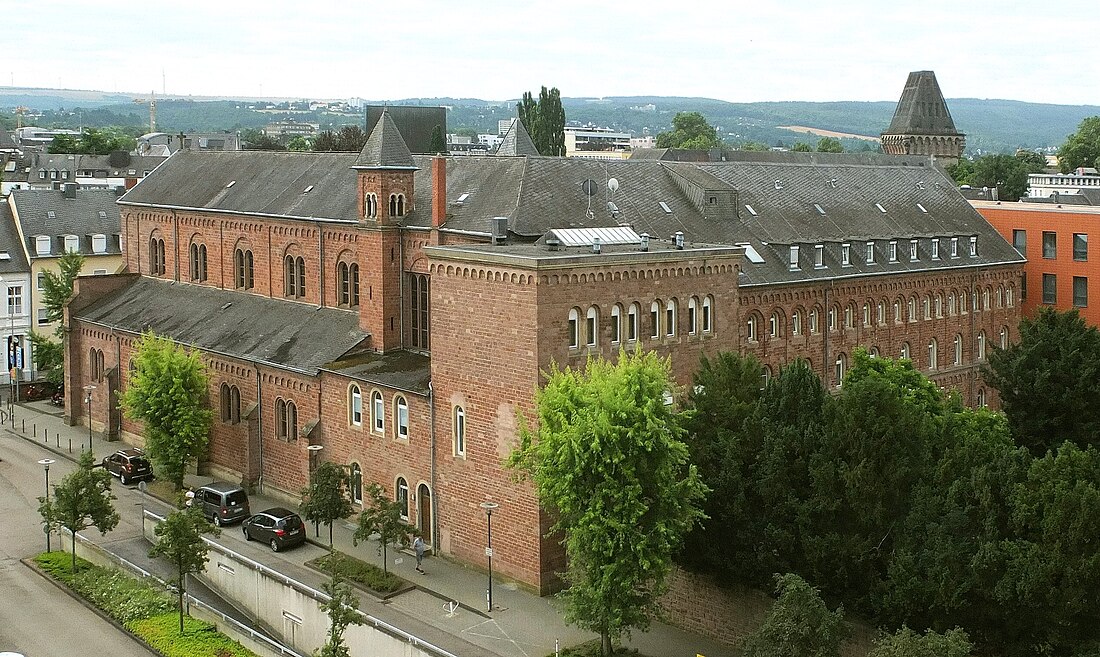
1010	297
401	417
926	305
1000	296
867	313
616	324
591	326
813	322
402	497
156	256
774	327
981	398
708	319
693	316
370	205
355	483
939	305
670	318
198	262
897	311
343	278
224	398
242	269
951	304
796	322
459	428
1004	337
393	205
874	353
981	345
912	309
933	354
963	300
849	316
294	276
355	405
93	374
378	412
751	329
765	376
574	328
985	299
286	420
655	312
905	350
882	312
397	205
833	312
840	367
420	298
632	322
958	349
234	405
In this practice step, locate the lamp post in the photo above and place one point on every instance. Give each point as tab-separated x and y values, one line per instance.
489	506
88	400
45	463
313	451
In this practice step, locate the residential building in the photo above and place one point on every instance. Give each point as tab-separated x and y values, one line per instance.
596	143
120	169
1061	272
15	285
50	222
1056	185
164	144
290	128
922	124
398	310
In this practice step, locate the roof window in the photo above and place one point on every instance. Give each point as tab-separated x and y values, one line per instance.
880	208
820	210
921	207
751	211
231	183
664	206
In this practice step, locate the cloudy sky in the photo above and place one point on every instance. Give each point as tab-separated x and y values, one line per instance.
734	50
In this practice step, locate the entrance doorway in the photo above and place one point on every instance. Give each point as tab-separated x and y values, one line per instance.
424	512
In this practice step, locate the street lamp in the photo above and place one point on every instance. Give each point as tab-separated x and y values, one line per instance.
46	463
88	400
489	506
313	451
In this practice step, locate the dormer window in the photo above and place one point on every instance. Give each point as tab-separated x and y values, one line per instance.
870	253
42	245
913	250
819	255
72	243
99	244
973	246
846	255
794	256
935	248
893	250
954	247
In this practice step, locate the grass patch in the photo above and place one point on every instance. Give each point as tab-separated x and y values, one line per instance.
199	639
120	596
361	572
592	649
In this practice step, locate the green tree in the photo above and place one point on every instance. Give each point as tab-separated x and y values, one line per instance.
798	624
962	172
1047	381
907	643
545	120
93	141
689	130
1082	148
753	146
381	516
82	500
180	542
325	500
351	139
342	607
299	144
325	142
1005	172
57	288
608	460
167	392
49	357
437	143
829	145
254	139
801	147
1033	161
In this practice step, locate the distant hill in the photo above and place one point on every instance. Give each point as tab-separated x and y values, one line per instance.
990	125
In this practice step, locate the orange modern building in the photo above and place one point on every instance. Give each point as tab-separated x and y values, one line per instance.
1060	271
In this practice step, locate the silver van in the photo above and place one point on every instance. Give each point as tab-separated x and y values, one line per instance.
222	502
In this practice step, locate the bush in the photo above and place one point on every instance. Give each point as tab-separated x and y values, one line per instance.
199	639
592	649
360	572
120	596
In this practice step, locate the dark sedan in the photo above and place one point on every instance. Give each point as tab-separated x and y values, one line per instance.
128	465
278	527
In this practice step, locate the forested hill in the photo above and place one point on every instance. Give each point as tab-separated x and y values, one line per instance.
990	125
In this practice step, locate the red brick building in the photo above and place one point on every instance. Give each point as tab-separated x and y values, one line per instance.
398	310
1055	240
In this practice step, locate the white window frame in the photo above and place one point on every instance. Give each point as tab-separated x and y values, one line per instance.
459	430
400	418
591	326
574	329
708	315
870	253
616	324
355	405
378	412
693	316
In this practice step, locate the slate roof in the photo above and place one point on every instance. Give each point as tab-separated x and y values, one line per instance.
385	149
90	212
517	141
403	370
246	326
9	243
6	142
921	109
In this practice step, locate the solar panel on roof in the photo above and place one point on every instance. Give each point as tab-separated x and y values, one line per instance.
584	236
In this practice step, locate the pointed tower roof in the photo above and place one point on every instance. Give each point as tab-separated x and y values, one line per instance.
921	109
517	141
385	149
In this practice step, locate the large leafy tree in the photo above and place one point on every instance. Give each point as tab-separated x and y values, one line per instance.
1047	381
57	288
381	516
167	392
437	143
798	624
545	120
689	130
1005	172
907	643
1082	148
82	500
180	542
829	145
325	500
93	141
608	460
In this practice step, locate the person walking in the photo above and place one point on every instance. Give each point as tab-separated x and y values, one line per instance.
418	547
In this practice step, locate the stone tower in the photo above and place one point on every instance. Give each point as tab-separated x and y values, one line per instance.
922	124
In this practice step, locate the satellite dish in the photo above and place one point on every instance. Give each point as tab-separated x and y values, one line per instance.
613	184
590	187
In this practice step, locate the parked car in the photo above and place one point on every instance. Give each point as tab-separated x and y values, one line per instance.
280	528
222	502
128	465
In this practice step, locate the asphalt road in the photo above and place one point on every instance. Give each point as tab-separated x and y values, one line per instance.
36	618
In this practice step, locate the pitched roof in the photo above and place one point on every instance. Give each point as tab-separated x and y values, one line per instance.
9	243
290	334
50	212
385	148
6	142
415	123
517	141
921	109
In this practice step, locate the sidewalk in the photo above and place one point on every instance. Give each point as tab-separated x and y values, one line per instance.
520	625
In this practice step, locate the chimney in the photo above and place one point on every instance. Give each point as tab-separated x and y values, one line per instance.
69	190
439	191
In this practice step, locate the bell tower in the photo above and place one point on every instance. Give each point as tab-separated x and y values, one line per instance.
385	172
922	124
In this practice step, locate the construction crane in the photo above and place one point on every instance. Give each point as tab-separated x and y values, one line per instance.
152	100
19	112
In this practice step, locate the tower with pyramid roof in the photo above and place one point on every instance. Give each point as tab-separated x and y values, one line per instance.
922	124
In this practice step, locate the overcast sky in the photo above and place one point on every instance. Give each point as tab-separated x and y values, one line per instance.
735	50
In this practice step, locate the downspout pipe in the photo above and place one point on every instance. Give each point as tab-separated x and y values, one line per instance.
431	476
260	430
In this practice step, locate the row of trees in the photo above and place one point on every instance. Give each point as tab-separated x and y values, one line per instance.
93	141
1007	173
544	119
899	502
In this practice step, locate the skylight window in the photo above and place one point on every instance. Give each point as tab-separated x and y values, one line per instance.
820	210
880	208
664	206
231	183
102	214
307	189
922	208
50	214
463	197
751	211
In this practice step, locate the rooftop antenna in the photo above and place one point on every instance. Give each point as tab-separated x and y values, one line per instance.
589	187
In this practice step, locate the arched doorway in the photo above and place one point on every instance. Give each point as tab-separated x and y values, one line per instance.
424	512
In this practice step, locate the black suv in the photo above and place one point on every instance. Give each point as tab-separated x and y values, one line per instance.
128	465
280	528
